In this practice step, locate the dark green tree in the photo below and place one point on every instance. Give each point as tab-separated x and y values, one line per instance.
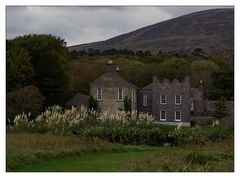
224	80
127	104
49	58
220	109
73	54
93	104
27	99
198	52
19	68
140	53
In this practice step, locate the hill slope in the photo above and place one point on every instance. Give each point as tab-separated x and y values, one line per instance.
212	30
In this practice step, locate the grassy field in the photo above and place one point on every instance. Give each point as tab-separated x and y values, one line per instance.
47	153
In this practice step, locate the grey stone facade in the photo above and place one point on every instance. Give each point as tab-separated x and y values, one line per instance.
165	111
192	103
147	91
109	84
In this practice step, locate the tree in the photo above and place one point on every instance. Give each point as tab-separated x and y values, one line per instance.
73	54
224	80
140	53
198	52
93	104
203	70
127	104
215	94
220	109
49	58
27	99
19	68
173	68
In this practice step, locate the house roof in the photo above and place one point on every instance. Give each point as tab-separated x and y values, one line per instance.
113	74
149	87
77	100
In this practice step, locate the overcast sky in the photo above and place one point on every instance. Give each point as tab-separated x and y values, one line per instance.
78	24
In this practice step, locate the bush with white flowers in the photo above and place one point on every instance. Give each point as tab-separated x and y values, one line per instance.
59	121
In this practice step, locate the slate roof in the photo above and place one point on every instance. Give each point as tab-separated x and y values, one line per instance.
77	100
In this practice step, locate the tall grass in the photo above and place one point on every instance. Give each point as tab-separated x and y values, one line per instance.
212	157
23	149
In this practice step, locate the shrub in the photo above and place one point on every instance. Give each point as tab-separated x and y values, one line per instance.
28	100
199	136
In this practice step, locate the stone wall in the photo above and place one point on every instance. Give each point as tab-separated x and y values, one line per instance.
110	82
209	106
170	89
148	108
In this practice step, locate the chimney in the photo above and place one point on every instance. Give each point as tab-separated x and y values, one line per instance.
111	67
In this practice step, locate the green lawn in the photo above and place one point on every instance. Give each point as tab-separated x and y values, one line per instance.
50	153
89	162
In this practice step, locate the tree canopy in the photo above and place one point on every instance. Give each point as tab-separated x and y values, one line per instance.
49	59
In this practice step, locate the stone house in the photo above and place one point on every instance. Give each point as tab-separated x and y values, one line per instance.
110	90
168	101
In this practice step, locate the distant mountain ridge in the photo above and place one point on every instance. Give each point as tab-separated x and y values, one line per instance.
211	30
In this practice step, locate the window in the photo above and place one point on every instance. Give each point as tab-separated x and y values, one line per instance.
178	99
163	115
120	94
133	97
144	100
177	115
99	94
163	99
192	106
134	101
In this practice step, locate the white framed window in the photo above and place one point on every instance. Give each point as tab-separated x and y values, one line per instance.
144	100
163	99
163	115
177	115
99	94
192	106
120	94
133	97
178	99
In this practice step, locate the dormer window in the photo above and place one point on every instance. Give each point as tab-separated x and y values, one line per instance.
120	94
178	99
99	94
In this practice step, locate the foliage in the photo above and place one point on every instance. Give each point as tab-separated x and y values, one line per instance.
49	59
25	100
220	109
224	81
128	135
174	68
71	121
127	104
19	68
93	104
203	70
200	136
212	157
215	94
